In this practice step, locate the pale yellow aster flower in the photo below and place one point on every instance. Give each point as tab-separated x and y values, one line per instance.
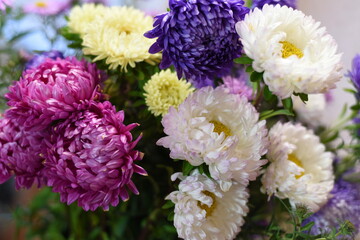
117	37
164	90
81	17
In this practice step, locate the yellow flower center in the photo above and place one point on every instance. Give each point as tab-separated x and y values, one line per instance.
40	4
209	210
295	160
289	49
219	128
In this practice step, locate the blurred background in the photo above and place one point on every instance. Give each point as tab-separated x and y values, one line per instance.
341	18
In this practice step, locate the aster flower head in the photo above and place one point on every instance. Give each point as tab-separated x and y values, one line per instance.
294	52
91	157
5	3
261	3
343	205
52	90
164	90
20	155
300	169
37	59
238	85
204	211
47	7
116	36
198	37
354	74
219	129
81	17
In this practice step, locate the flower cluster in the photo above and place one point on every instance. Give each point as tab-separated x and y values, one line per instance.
59	132
229	113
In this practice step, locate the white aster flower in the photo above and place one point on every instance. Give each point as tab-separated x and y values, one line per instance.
311	112
220	129
204	211
293	51
300	169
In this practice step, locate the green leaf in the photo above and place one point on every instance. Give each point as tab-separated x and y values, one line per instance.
288	104
187	168
303	96
256	76
243	60
276	113
268	95
18	36
308	226
331	137
350	90
249	69
355	107
171	217
168	204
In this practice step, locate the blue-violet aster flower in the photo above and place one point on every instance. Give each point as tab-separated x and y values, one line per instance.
344	205
354	74
20	155
261	3
52	91
37	59
91	157
198	37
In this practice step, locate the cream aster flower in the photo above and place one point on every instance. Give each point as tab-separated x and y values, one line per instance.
204	211
312	111
220	129
164	90
300	169
81	17
293	51
117	36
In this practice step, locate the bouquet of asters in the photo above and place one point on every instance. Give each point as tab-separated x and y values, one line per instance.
204	122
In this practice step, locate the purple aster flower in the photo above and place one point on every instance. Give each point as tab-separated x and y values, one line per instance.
198	37
37	59
52	91
344	205
91	157
20	154
238	85
354	74
5	3
261	3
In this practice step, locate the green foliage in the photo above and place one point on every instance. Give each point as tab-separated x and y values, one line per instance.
243	60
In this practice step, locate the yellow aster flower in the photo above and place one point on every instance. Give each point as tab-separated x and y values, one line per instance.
117	37
164	90
80	17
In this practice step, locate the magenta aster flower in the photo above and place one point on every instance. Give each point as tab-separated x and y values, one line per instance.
20	154
91	157
52	91
47	7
